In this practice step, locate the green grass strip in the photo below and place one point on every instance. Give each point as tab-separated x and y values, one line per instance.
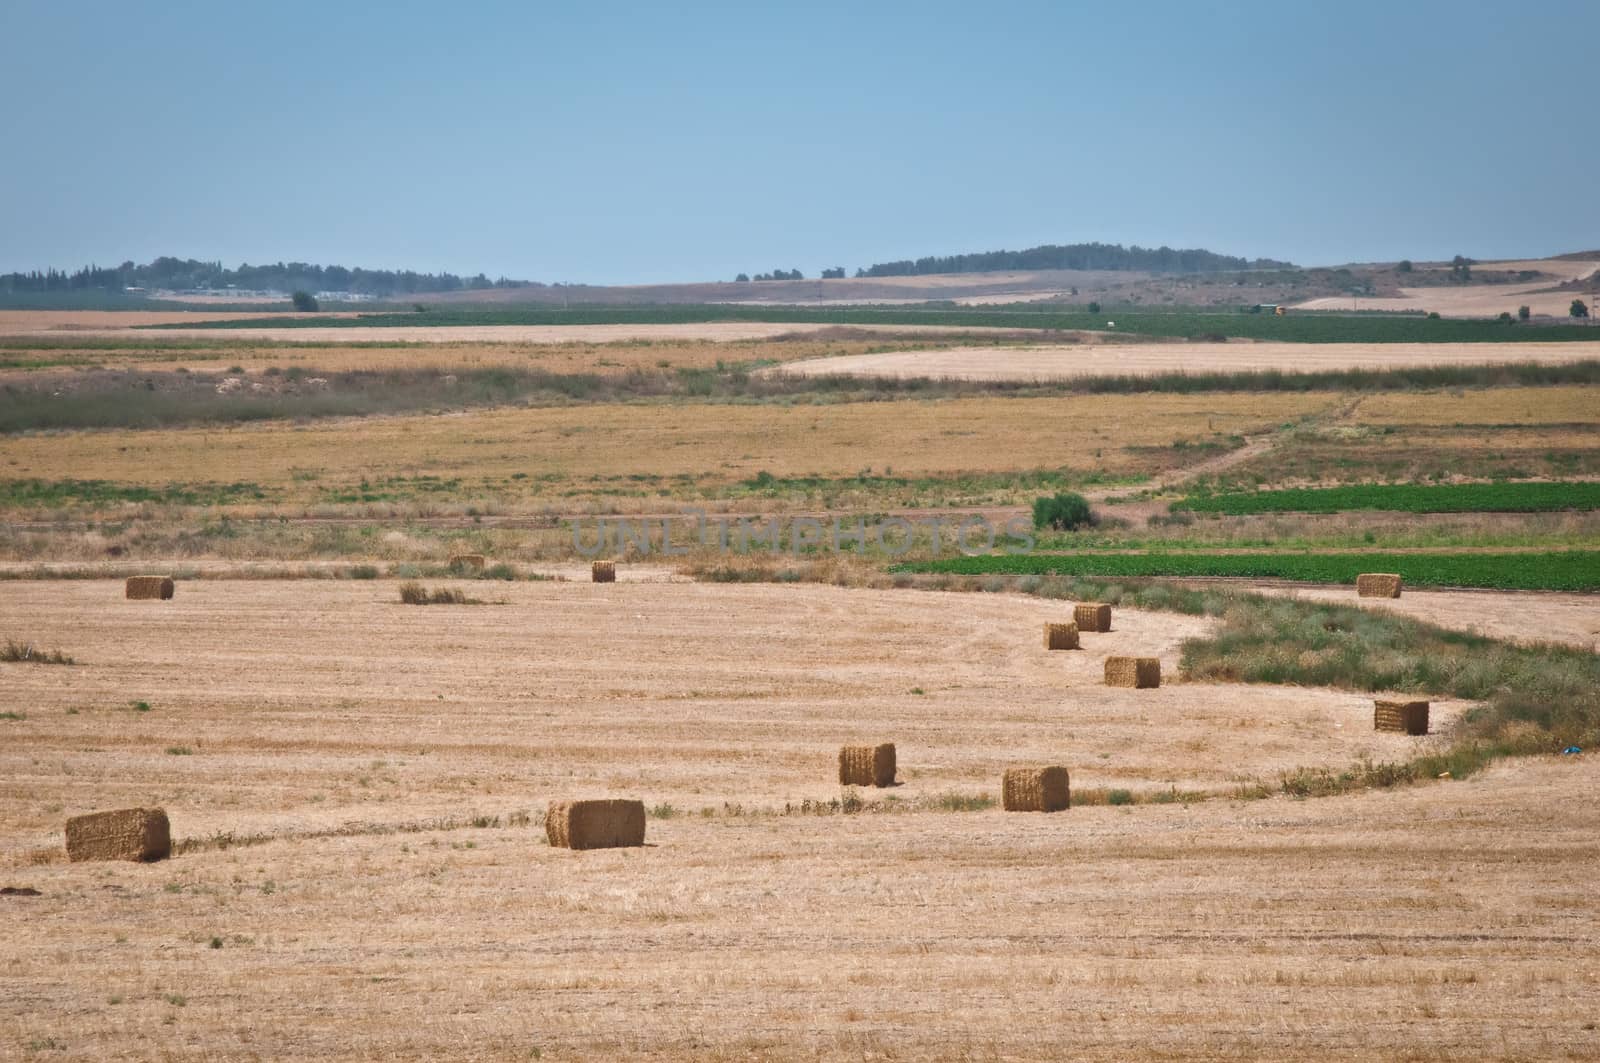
1403	498
1554	570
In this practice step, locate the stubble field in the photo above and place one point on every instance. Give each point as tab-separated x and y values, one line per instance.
386	892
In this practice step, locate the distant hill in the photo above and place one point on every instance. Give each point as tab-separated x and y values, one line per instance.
1074	256
187	274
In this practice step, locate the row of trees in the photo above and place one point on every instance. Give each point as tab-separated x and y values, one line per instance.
775	275
190	274
1049	256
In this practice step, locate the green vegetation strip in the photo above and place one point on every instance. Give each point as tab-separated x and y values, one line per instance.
1555	570
1294	328
1403	498
54	493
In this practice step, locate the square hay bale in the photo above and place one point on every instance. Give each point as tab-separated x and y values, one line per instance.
1092	616
1035	790
160	587
867	765
1137	672
1061	636
603	572
472	561
604	824
1378	585
124	834
1403	717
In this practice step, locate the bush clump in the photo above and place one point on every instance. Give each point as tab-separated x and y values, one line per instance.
1066	511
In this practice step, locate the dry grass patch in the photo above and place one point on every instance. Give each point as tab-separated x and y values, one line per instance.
416	594
1107	434
27	653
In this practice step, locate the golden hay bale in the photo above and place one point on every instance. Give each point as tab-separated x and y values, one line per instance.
1061	636
1378	585
472	561
1405	717
603	572
867	765
1092	616
1035	790
1137	672
124	834
149	587
603	824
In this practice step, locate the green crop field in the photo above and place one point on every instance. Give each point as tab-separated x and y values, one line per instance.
1554	570
56	493
1403	498
1293	328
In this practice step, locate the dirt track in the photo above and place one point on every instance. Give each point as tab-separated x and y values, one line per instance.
1046	363
1452	919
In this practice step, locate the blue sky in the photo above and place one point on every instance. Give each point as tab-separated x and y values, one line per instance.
656	142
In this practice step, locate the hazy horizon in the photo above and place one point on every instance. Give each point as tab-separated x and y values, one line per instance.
641	146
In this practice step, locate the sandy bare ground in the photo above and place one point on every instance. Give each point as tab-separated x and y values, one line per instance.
1447	920
1061	362
1513	615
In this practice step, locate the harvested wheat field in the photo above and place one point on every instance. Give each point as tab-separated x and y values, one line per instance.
693	694
1369	924
358	840
618	440
1136	359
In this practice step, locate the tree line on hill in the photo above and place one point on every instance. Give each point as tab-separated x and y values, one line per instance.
1094	256
1048	256
189	274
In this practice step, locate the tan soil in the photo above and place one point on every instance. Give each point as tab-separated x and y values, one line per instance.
1381	925
1055	363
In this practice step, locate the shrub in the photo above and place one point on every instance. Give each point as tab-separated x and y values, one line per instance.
1066	511
304	302
27	653
417	594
